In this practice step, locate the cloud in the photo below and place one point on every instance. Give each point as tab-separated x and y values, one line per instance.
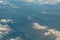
39	27
6	20
6	2
17	38
52	2
46	12
1	2
4	30
51	33
55	1
27	0
54	32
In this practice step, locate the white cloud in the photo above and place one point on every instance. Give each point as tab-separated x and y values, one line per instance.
27	0
53	32
6	20
39	27
4	2
4	30
1	2
51	2
55	0
44	12
17	38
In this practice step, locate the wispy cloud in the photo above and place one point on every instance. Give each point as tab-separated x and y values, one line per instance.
27	0
17	38
46	12
42	1
51	2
